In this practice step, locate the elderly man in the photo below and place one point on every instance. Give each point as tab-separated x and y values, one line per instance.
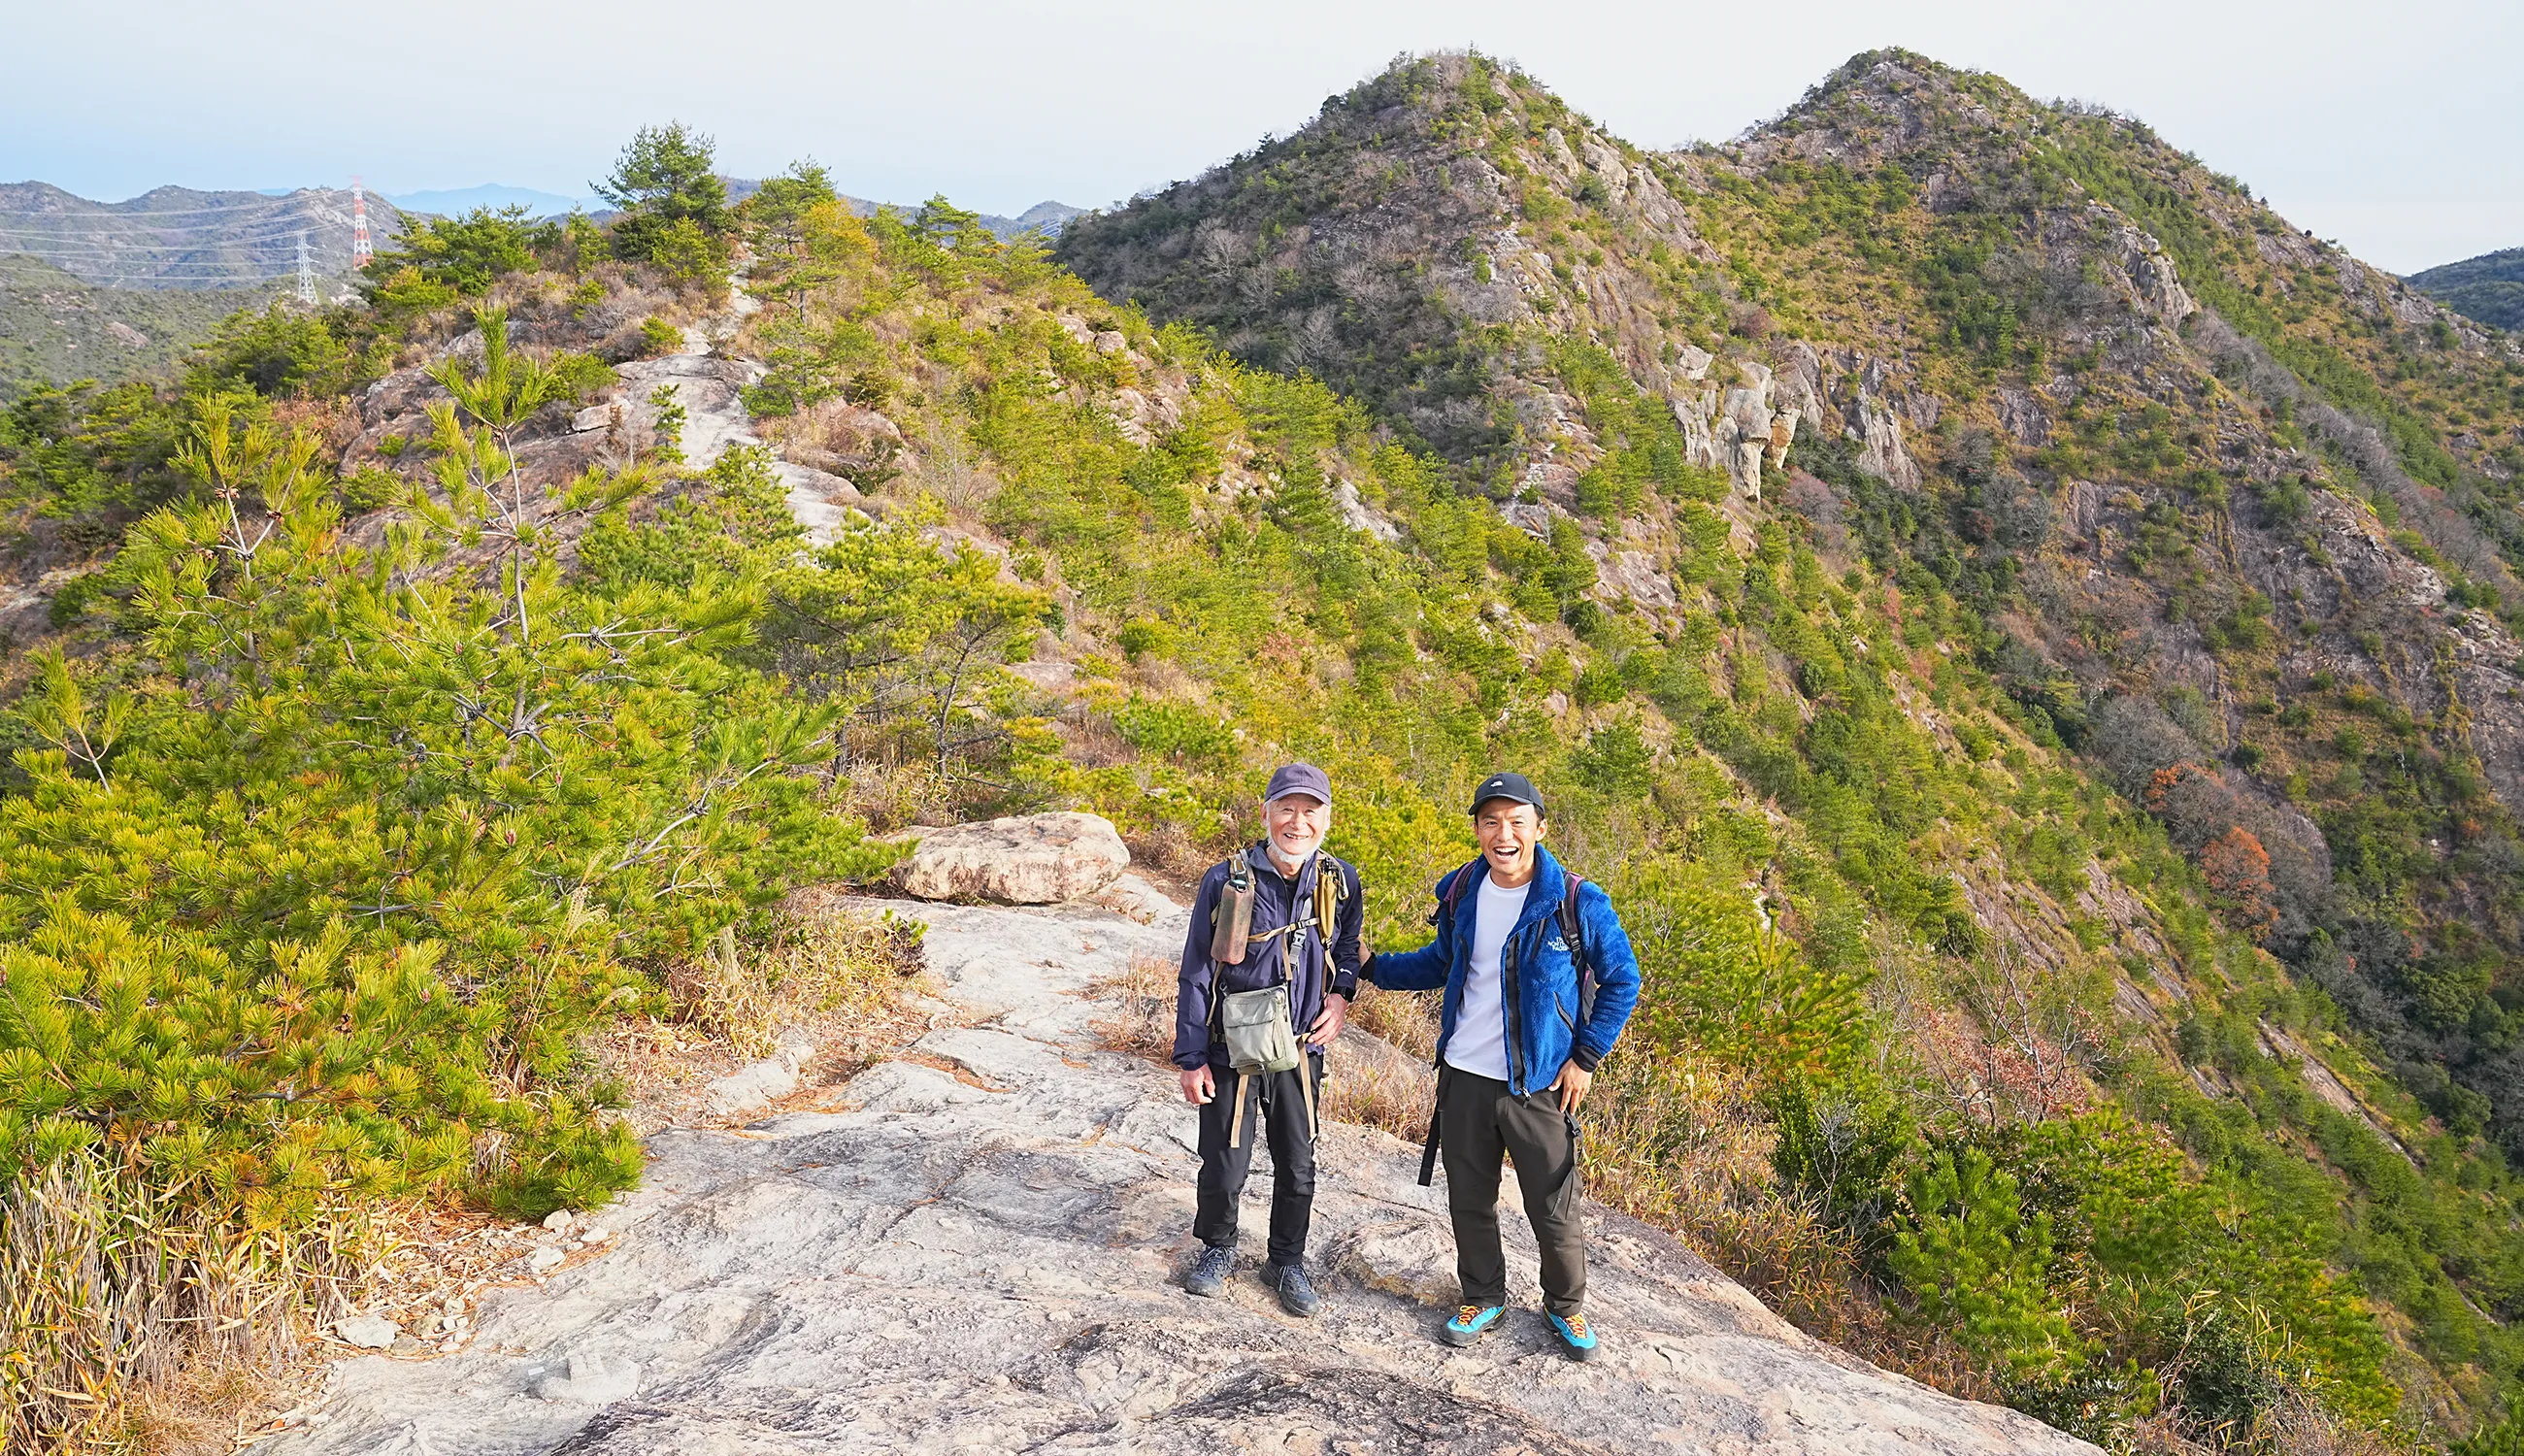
1268	973
1540	981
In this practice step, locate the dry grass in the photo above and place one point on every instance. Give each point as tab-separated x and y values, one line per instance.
850	980
1143	997
1679	1144
114	1298
888	789
1407	1019
1375	1086
823	961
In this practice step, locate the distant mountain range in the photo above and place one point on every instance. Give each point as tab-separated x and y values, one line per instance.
2489	288
447	202
182	238
115	289
1046	217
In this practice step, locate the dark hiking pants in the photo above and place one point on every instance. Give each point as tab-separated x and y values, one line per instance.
1481	1122
1278	1114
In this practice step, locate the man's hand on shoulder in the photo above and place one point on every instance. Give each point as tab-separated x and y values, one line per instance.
1336	1015
1198	1085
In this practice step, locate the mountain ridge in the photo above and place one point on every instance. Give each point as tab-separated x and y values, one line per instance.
2489	288
179	237
2019	633
2217	509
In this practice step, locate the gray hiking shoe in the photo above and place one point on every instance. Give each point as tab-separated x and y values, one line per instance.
1209	1271
1296	1294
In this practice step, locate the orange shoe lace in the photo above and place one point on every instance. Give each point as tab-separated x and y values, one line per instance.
1468	1313
1577	1326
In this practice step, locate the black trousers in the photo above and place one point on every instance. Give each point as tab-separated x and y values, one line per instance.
1480	1122
1280	1115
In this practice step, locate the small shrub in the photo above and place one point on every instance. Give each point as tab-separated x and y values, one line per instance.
1978	1267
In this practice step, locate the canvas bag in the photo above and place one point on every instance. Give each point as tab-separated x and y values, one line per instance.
1259	1027
1260	1032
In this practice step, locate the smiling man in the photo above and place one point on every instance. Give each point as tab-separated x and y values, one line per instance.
1540	981
1268	973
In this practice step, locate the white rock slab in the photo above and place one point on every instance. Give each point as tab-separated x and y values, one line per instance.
982	1249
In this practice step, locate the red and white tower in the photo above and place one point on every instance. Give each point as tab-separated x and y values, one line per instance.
360	248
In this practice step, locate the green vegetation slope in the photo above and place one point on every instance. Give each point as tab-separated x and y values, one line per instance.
54	329
1949	643
2489	288
2163	486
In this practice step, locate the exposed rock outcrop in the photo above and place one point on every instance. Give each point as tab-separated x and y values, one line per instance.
980	1253
1030	860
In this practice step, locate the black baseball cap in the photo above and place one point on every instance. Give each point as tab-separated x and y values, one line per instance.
1515	787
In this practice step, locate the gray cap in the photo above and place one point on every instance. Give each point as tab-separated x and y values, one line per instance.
1299	778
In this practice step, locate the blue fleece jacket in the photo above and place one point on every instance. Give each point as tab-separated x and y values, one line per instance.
1540	1000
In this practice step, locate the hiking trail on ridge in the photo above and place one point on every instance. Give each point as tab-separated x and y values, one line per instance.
980	1250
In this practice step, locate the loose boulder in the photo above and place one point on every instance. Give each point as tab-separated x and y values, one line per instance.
1030	859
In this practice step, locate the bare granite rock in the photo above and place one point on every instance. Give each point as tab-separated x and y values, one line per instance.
760	1084
368	1332
709	390
980	1251
1030	859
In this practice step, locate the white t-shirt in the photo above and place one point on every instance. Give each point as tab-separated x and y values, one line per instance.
1479	1043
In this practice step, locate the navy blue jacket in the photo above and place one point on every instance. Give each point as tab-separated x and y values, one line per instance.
1541	1000
1276	899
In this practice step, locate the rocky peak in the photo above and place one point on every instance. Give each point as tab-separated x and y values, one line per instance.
2162	440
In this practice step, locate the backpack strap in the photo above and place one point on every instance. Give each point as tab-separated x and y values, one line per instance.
1573	929
1234	868
1329	894
1456	884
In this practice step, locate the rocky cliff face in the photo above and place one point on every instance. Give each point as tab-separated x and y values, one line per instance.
2218	501
977	1247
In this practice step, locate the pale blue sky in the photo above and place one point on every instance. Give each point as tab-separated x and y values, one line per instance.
2399	131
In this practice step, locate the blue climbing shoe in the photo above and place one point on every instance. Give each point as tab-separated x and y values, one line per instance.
1471	1323
1296	1295
1574	1336
1209	1271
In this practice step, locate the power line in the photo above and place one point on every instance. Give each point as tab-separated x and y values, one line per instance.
273	204
188	265
168	250
207	280
276	221
240	282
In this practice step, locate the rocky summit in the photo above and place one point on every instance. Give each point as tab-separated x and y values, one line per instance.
982	1251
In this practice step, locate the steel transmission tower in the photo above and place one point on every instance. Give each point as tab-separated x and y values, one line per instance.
306	273
361	251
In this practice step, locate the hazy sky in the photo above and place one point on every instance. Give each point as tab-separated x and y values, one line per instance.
2398	129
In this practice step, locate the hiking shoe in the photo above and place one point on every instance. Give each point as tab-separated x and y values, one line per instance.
1576	1336
1297	1295
1471	1323
1209	1272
